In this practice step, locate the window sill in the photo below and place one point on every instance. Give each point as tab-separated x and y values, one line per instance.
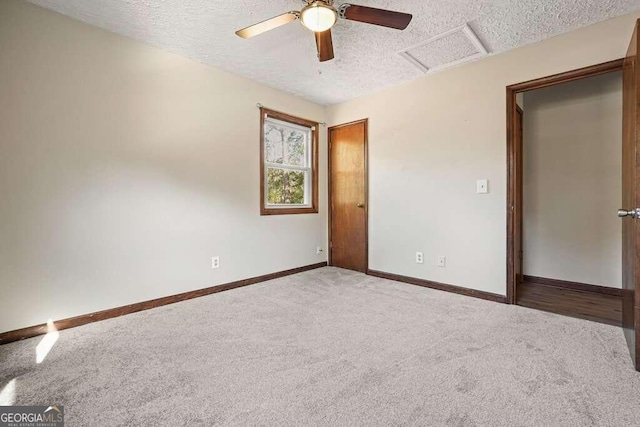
287	211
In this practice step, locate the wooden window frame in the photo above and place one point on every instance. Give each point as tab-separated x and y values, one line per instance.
314	126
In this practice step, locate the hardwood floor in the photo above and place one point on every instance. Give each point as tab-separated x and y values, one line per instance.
587	305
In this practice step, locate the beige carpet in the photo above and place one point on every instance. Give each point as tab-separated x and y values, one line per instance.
332	347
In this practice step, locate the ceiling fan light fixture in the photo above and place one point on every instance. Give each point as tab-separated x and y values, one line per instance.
318	16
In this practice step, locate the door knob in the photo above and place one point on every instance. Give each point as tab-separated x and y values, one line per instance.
633	213
360	205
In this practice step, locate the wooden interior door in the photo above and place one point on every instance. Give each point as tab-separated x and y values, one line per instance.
514	196
348	202
631	199
519	208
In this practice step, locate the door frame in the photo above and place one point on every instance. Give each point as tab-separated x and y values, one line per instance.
366	187
513	191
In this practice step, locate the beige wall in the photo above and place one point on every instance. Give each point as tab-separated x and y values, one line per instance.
431	139
124	169
573	181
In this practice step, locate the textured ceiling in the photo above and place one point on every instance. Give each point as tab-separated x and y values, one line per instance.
366	58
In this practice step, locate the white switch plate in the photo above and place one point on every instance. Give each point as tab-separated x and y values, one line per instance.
442	261
215	262
482	186
318	250
419	258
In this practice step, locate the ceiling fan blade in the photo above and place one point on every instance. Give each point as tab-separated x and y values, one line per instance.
371	15
324	42
268	25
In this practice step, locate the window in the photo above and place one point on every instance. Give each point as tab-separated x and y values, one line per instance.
288	165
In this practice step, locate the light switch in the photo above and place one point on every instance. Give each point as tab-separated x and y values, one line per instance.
482	186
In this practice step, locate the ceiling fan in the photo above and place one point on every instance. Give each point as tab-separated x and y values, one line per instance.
320	15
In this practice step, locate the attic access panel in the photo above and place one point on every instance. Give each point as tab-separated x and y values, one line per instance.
446	50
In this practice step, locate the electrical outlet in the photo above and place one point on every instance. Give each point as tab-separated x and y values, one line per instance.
442	261
215	262
419	257
319	250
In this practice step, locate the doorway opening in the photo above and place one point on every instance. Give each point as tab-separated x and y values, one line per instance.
564	168
348	196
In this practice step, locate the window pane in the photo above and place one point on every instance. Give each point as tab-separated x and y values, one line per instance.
273	144
285	145
285	187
